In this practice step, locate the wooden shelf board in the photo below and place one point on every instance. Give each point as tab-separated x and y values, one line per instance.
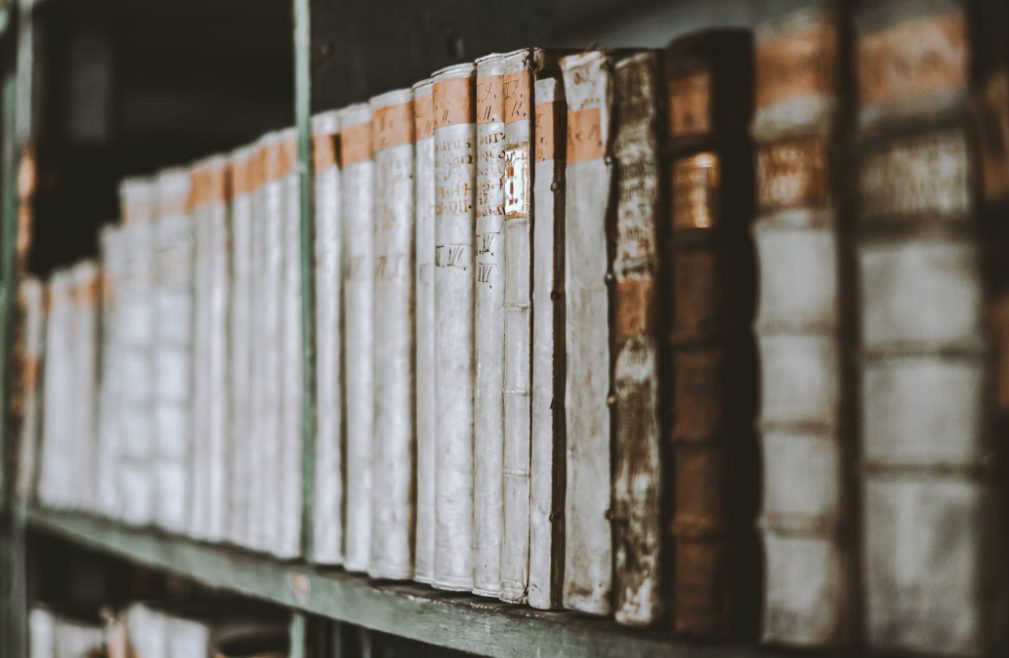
458	621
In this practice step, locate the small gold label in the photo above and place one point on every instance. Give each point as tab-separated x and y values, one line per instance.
796	65
792	174
585	138
695	191
913	59
690	104
516	183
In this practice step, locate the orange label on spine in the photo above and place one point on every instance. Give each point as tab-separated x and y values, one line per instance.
355	144
690	104
635	307
802	64
208	184
792	174
392	125
913	59
423	116
241	175
323	151
545	132
453	101
517	88
489	89
585	138
695	191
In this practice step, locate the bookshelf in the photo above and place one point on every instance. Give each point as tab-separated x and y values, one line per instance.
344	51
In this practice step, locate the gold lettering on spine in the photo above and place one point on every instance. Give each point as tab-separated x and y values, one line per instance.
690	104
696	181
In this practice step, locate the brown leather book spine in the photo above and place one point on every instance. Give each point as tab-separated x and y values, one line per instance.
711	351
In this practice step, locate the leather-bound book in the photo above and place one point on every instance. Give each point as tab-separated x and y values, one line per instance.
588	544
712	391
488	328
327	526
929	517
173	331
803	324
357	219
241	357
638	478
392	472
546	453
455	155
424	182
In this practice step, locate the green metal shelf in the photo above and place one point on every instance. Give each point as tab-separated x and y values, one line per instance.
458	621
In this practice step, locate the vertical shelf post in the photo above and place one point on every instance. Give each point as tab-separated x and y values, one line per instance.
302	113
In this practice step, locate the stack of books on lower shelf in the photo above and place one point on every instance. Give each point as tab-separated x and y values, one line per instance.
154	630
711	338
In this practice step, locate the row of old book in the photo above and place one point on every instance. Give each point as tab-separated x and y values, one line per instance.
698	337
153	630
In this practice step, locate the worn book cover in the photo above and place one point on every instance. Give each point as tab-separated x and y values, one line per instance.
327	525
803	320
929	490
357	218
638	477
547	447
392	473
424	368
454	263
488	328
711	353
588	551
112	254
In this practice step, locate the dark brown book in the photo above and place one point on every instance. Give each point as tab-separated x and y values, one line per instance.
711	367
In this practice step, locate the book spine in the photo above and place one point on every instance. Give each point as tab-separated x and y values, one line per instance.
197	424
924	352
588	550
424	195
488	329
217	337
257	477
546	460
329	479
137	197
269	475
33	300
637	478
518	113
83	431
241	357
358	284
801	321
392	511
109	395
174	246
455	179
711	352
291	353
53	473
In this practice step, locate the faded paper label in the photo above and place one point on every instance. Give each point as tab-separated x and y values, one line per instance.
516	88
516	187
392	126
801	64
792	174
545	132
355	144
453	101
423	116
913	59
585	138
